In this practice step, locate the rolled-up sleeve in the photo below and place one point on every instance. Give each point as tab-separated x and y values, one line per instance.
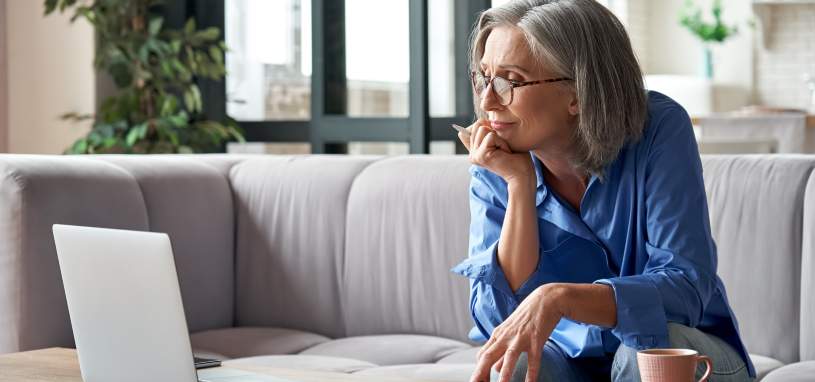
677	276
491	297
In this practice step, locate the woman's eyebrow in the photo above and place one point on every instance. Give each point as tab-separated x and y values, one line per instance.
513	67
509	67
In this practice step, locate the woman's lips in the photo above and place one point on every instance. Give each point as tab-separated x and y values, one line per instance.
499	125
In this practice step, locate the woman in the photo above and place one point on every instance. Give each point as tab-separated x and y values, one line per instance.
590	237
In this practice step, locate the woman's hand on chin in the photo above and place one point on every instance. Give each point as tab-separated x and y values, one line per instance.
526	330
490	151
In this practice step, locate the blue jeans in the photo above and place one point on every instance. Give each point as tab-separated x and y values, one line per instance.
622	365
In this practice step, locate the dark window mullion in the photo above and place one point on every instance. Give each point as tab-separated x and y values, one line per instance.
317	74
329	87
276	131
209	13
342	128
418	94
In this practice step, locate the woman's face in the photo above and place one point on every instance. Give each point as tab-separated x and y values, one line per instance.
541	116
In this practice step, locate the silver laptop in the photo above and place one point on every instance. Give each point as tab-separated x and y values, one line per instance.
125	307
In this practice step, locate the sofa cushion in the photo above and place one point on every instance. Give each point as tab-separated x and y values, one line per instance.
291	214
435	372
200	225
764	365
389	349
797	372
469	355
408	222
304	362
252	341
756	219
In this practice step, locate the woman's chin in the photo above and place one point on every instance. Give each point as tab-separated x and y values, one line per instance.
516	148
505	135
515	144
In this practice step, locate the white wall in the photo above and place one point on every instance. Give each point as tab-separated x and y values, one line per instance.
3	98
787	57
49	72
672	49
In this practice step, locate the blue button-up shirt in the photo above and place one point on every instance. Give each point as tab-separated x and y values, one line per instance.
643	230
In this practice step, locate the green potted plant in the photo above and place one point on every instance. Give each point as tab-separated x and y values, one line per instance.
157	107
709	33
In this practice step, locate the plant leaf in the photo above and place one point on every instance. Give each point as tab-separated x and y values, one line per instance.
189	27
155	25
209	34
50	6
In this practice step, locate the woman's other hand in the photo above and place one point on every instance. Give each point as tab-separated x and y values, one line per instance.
526	330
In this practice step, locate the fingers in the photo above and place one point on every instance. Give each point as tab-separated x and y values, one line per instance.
488	144
498	365
486	346
533	364
480	132
510	359
485	361
465	139
501	144
479	122
472	129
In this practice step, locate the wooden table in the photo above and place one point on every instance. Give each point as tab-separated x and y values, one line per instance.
61	365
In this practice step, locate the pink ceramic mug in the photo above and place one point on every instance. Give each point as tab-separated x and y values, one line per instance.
671	365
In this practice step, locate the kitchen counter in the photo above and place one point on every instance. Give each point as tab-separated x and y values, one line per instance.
810	119
759	130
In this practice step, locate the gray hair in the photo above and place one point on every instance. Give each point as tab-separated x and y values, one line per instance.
582	40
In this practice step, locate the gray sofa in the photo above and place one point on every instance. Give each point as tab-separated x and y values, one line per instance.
341	263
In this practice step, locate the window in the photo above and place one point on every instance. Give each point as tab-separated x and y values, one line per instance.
342	76
444	65
377	58
269	59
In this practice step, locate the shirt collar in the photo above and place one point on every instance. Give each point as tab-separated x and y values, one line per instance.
541	184
555	211
538	169
541	191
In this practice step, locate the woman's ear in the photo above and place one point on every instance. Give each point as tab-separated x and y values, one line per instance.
574	107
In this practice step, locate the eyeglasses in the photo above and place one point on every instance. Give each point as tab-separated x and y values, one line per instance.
502	87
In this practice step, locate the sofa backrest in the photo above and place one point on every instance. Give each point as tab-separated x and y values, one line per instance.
158	193
756	214
200	225
35	193
407	225
291	220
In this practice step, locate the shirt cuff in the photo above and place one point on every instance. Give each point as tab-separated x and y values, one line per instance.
641	320
534	281
484	267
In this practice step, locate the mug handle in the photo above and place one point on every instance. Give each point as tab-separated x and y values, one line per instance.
709	363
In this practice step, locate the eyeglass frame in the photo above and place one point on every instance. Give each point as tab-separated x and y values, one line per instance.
512	84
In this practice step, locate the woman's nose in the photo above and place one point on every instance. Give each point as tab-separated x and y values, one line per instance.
489	100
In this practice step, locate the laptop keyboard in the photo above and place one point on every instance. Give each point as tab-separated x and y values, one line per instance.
203	363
